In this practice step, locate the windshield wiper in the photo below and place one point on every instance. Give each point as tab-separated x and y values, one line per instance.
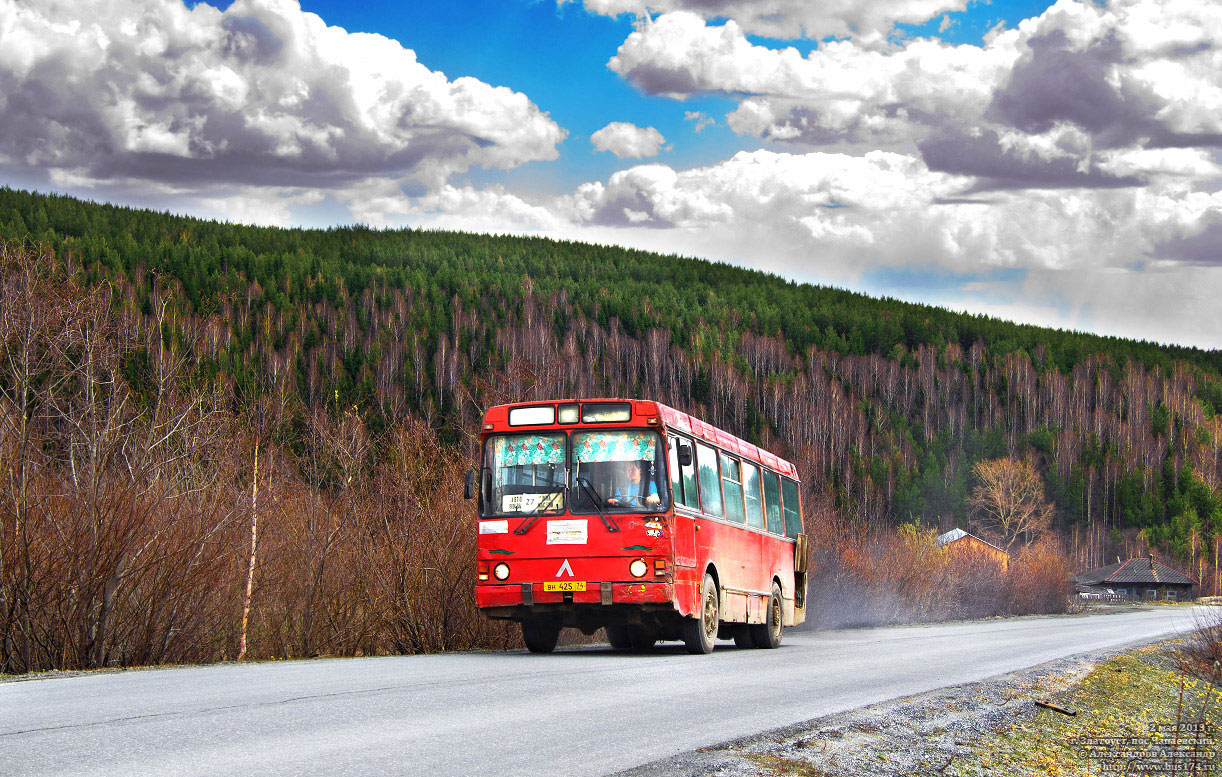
610	523
533	515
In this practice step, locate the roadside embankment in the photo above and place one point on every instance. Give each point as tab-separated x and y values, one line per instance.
1133	712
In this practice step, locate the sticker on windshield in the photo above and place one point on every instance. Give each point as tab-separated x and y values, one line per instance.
525	503
494	527
566	532
519	503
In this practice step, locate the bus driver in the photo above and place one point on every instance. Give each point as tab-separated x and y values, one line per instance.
630	491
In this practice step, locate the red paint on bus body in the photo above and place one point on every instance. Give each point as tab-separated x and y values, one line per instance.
745	561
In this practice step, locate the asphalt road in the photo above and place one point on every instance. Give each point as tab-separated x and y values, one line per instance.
585	711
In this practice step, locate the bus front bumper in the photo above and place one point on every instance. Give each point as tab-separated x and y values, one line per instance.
529	594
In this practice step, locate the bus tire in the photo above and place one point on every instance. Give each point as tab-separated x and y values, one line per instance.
620	637
700	632
744	636
540	636
768	633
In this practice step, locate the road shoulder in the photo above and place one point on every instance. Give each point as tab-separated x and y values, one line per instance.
990	727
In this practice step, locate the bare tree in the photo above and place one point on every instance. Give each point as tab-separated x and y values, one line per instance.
1009	500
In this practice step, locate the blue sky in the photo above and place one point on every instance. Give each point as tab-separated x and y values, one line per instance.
1064	168
558	55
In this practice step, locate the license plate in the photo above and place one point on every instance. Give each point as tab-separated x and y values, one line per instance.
565	585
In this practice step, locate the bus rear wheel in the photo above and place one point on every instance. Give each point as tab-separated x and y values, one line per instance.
700	632
768	633
540	636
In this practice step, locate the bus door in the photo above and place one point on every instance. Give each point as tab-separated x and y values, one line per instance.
683	488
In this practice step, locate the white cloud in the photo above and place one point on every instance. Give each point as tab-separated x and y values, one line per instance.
702	121
841	90
628	141
1132	74
868	20
382	203
261	94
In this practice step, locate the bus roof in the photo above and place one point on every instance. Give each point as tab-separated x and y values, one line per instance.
676	420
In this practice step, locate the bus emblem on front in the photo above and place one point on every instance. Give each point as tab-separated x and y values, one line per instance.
565	567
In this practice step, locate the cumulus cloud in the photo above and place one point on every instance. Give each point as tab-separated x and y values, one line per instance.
841	90
628	141
869	20
700	118
884	209
1199	243
1131	75
1001	159
261	94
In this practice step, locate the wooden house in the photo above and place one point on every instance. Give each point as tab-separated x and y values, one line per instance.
959	543
1138	579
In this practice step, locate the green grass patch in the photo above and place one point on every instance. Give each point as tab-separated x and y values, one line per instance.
1139	696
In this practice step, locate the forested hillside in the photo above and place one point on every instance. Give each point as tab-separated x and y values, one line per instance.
886	403
206	424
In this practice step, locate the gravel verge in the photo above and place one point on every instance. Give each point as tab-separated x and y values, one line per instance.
914	735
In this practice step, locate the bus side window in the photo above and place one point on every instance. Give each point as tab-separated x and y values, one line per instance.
683	478
691	496
710	483
751	487
772	502
793	511
731	483
676	478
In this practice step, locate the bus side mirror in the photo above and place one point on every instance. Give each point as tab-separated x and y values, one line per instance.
685	455
468	491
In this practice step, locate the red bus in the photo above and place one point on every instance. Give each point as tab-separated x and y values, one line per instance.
635	517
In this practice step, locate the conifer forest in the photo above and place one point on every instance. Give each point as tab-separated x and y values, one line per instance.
222	440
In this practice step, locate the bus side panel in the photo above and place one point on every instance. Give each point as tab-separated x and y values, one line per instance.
687	576
726	548
684	530
783	563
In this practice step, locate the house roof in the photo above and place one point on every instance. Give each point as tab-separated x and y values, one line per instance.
957	534
1135	570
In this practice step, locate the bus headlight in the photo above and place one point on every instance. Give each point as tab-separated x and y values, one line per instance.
638	567
501	571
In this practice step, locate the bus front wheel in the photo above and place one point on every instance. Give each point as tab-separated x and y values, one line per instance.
540	636
768	633
700	632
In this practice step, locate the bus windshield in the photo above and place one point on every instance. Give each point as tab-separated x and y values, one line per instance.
618	471
525	474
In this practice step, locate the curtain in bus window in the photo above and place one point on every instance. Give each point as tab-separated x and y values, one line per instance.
793	513
710	484
520	450
751	490
772	502
731	484
614	446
